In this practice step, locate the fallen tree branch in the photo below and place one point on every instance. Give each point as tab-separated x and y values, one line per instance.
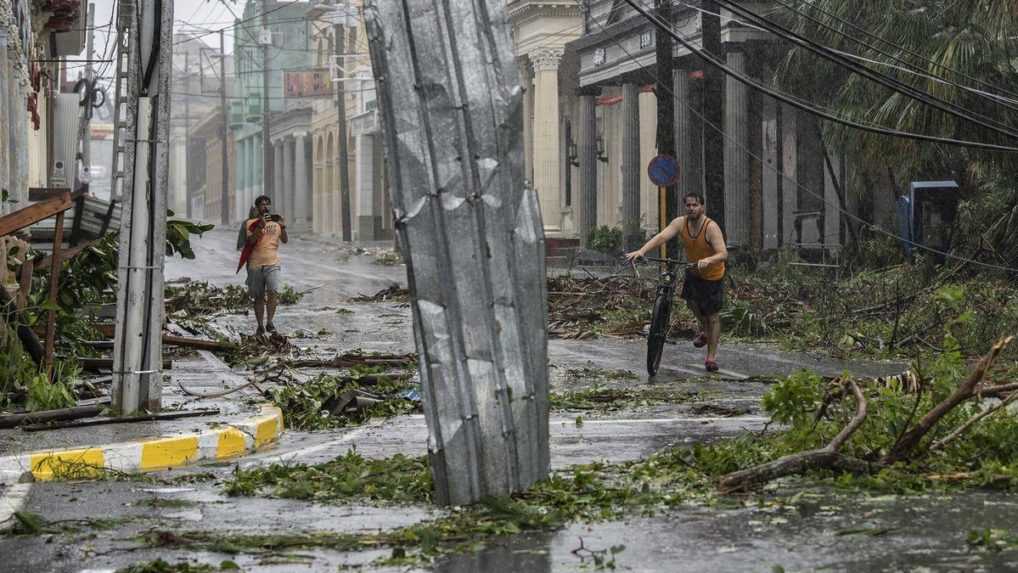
996	391
911	439
122	420
939	444
826	457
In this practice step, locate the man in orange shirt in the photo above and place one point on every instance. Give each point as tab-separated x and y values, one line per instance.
703	287
264	232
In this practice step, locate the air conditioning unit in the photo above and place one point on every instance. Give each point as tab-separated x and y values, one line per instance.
66	123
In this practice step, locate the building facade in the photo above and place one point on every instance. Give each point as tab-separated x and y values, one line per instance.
362	200
589	70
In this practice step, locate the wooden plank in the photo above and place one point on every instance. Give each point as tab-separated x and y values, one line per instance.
54	291
95	364
18	220
44	193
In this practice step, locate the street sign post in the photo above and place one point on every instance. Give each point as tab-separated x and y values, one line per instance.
663	170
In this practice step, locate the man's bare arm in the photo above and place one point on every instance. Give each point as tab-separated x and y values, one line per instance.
659	239
717	241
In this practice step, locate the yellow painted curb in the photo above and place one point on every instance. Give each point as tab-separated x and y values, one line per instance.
159	453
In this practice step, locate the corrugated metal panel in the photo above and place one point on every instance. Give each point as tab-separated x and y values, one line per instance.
471	235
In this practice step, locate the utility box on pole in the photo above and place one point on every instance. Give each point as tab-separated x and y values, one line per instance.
470	232
137	353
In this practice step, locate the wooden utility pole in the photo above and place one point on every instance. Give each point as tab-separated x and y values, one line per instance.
265	38
224	134
713	111
342	140
667	198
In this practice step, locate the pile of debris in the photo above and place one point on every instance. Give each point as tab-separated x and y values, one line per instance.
581	308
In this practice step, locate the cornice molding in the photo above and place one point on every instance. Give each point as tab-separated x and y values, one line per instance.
530	9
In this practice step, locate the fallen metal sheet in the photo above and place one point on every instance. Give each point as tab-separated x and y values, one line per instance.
470	232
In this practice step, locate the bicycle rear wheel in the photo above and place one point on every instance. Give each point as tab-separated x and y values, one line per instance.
658	331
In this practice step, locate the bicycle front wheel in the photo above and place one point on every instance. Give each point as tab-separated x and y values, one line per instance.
658	332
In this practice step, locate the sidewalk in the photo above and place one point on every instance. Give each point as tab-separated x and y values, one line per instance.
244	424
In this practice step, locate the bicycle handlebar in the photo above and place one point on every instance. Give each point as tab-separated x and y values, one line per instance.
662	260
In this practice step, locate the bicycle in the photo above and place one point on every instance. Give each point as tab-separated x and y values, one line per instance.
660	321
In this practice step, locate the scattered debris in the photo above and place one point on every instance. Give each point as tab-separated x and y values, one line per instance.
391	293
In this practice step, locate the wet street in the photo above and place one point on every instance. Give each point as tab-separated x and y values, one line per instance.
102	522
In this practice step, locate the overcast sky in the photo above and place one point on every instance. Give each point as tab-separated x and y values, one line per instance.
211	14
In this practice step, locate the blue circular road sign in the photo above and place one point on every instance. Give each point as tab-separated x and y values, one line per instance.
663	170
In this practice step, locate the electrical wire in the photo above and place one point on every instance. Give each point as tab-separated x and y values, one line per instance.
885	80
809	108
837	207
911	69
902	48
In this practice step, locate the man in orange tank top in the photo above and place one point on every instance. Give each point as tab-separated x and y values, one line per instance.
703	287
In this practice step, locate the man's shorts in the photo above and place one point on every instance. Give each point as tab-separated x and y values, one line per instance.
261	279
707	296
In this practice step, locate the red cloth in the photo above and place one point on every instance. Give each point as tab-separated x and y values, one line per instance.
249	246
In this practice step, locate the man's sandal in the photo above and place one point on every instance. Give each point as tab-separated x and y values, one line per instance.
710	365
700	340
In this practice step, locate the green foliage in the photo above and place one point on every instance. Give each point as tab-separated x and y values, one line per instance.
289	295
795	399
604	399
17	370
309	406
160	566
740	318
606	239
46	395
178	237
388	258
397	479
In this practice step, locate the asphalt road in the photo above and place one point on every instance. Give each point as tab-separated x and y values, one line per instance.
922	533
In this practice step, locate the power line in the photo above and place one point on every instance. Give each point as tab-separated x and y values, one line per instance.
244	21
892	44
911	69
809	108
766	164
887	81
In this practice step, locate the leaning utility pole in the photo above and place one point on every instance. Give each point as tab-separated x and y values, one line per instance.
471	235
344	154
137	352
265	39
224	134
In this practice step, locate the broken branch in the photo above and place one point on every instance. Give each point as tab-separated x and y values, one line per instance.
827	457
911	439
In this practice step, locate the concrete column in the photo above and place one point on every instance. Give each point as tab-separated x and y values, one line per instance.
240	186
683	135
737	201
277	173
769	172
302	188
364	188
547	169
528	113
789	172
586	144
286	193
630	165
